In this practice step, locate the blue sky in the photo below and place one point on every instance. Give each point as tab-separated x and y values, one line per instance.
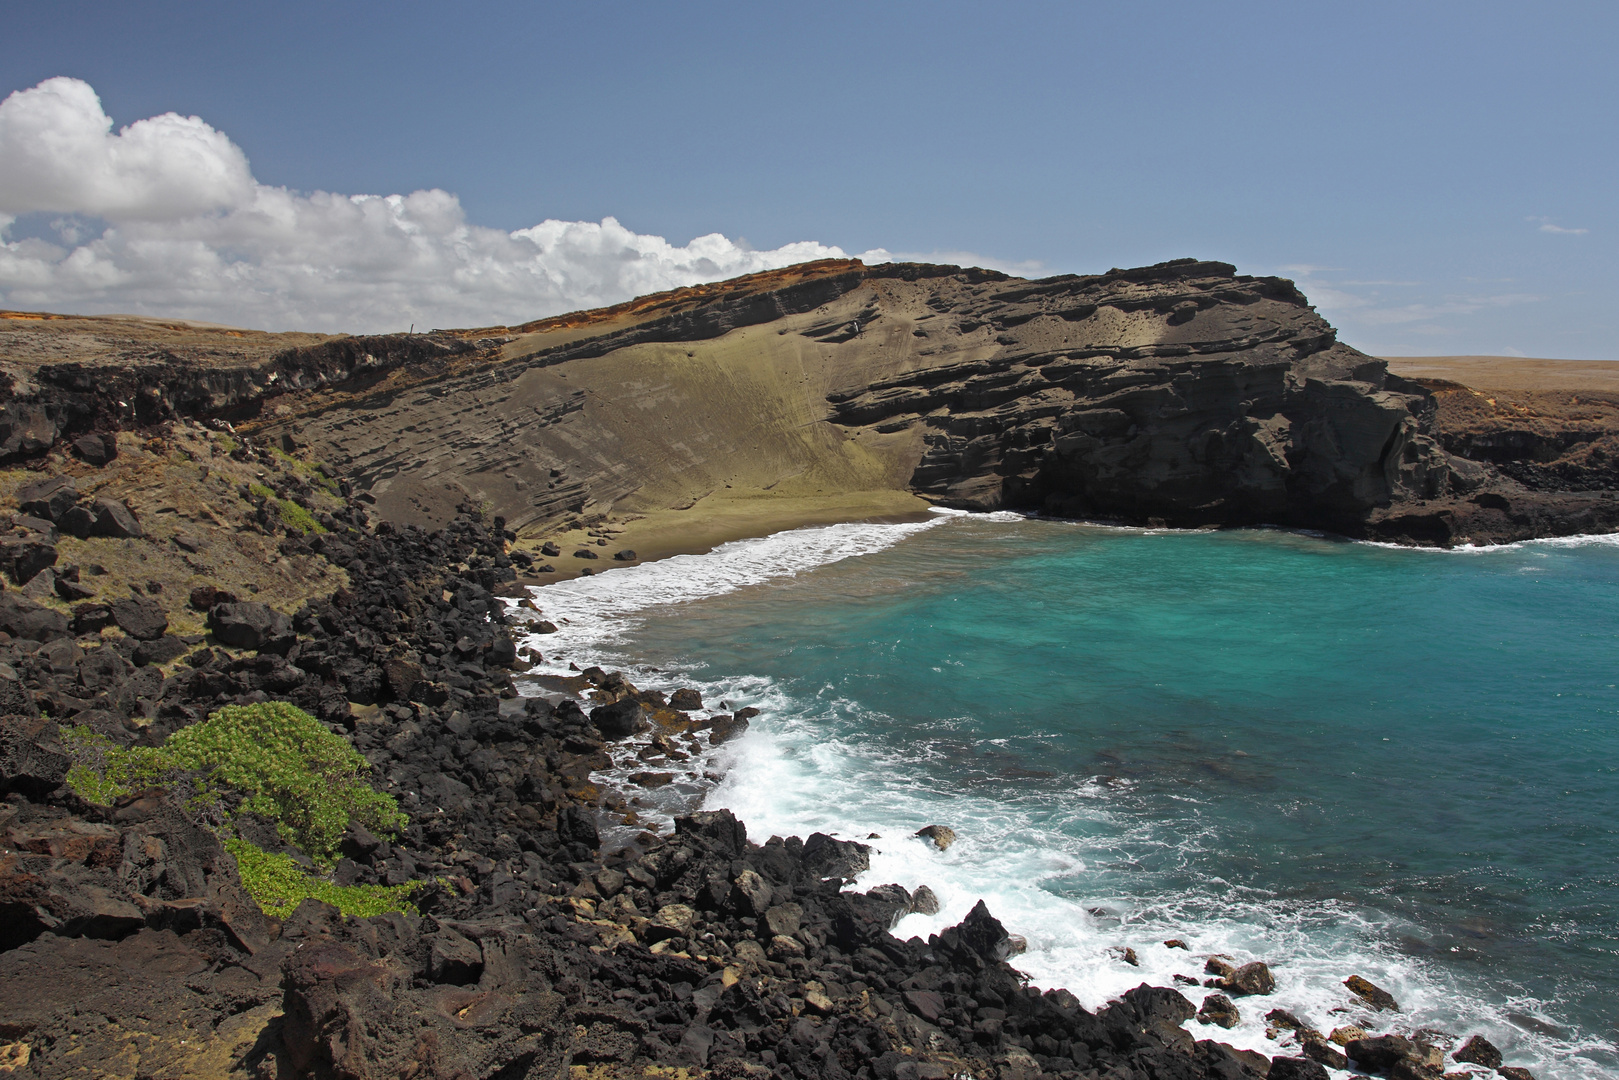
1439	177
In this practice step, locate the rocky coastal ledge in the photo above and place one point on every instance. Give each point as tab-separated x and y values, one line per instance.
185	923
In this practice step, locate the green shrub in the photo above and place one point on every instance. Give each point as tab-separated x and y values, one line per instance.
279	885
286	767
292	770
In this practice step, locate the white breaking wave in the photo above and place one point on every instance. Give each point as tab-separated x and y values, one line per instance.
593	612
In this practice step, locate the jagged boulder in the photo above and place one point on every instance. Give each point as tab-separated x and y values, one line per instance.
251	625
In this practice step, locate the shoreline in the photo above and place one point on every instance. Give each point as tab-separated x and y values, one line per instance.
699	800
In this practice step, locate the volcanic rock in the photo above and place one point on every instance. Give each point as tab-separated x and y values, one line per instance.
250	625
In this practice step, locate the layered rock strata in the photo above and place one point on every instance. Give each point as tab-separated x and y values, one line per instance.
1182	393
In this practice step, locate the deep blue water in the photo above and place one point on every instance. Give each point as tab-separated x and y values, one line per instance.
1337	757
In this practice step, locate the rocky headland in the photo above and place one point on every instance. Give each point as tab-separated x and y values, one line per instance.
273	806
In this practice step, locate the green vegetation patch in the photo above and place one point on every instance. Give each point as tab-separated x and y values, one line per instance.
292	515
297	517
279	885
287	768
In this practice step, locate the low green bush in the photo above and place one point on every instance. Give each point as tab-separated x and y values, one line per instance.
283	765
279	885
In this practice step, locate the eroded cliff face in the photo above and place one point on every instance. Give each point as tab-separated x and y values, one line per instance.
1182	393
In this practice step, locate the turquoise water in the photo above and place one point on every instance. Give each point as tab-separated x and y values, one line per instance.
1337	757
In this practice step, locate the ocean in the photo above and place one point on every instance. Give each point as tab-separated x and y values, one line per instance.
1339	758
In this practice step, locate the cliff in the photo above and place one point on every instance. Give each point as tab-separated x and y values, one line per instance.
1182	394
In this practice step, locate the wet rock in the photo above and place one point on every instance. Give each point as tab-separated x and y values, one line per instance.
1372	994
1251	979
251	625
143	620
1297	1068
718	830
1379	1053
924	902
1479	1051
1319	1049
1218	1009
624	556
1126	954
940	836
723	729
1514	1072
983	934
826	858
621	719
686	700
48	499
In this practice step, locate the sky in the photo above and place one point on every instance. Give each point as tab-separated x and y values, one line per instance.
1440	178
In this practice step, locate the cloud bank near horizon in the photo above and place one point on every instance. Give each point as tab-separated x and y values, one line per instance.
164	217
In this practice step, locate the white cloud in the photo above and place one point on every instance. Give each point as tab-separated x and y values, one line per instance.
164	218
1547	226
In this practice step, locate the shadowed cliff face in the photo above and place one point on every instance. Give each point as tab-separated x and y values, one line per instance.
1181	393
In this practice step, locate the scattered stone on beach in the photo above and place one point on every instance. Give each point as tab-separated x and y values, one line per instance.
550	549
624	556
585	553
941	836
1372	994
1218	1009
1479	1051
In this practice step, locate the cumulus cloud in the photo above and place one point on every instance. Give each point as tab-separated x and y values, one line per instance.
164	217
